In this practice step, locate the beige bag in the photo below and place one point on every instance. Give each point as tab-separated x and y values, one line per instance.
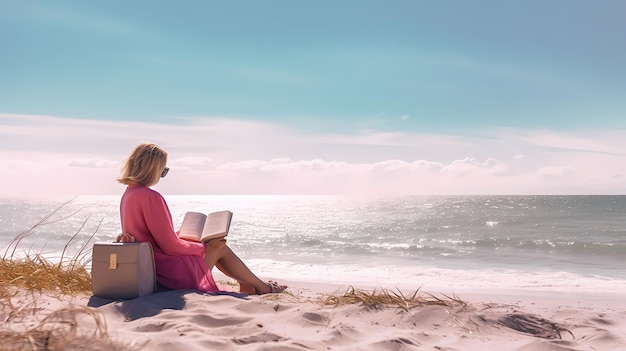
122	270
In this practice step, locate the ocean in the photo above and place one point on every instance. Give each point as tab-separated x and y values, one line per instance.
559	243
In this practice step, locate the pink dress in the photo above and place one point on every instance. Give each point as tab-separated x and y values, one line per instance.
179	264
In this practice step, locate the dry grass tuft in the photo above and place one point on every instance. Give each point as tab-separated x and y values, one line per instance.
35	272
60	331
380	298
24	278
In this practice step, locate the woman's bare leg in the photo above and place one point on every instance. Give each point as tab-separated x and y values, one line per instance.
230	264
243	287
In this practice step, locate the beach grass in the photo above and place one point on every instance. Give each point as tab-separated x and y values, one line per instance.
32	271
379	298
63	329
35	272
25	276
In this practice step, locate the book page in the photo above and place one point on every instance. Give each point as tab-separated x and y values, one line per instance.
191	228
217	225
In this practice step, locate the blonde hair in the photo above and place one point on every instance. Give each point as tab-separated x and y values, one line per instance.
144	165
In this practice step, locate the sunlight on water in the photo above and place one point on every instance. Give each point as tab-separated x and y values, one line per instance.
533	235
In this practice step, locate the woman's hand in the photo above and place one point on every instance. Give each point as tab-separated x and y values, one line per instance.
216	243
125	238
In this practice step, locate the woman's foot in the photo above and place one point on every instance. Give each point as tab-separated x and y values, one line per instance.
272	287
246	289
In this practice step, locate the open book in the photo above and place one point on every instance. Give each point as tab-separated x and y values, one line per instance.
200	227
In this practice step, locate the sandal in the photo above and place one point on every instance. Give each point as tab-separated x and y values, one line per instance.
275	288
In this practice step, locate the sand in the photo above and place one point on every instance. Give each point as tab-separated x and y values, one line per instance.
187	320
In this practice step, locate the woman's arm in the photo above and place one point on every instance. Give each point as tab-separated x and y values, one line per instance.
159	221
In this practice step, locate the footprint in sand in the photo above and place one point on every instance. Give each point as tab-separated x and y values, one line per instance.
258	338
315	318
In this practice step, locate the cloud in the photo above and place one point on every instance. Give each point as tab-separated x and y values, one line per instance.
212	155
469	164
189	163
605	141
93	163
552	172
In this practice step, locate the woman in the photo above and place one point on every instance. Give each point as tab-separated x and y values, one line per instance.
180	264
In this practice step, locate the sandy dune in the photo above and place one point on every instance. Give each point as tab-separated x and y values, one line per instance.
186	320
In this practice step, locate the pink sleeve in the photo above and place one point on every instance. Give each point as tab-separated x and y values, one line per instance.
159	222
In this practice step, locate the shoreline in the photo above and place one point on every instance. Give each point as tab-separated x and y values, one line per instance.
299	321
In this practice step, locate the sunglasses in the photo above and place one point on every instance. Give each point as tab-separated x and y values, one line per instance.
164	172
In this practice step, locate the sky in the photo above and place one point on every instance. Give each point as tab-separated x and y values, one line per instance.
322	97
